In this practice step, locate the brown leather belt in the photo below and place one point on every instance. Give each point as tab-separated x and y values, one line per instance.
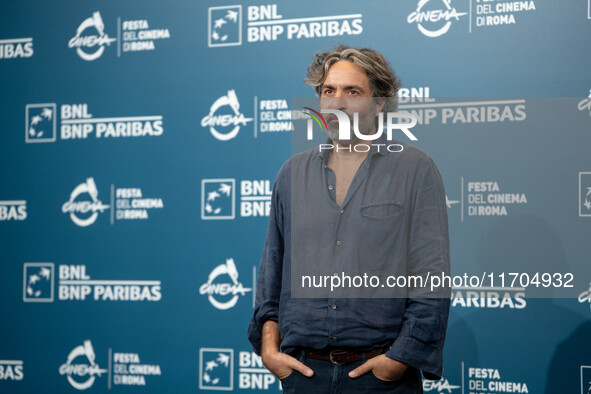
342	356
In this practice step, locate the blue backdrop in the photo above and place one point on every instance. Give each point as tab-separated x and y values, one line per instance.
138	149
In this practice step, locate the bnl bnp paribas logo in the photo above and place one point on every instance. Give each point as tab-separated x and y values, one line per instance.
216	369
13	210
77	123
40	122
585	194
38	282
218	198
76	284
11	370
265	23
14	48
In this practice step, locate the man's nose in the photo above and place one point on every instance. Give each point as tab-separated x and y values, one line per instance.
340	101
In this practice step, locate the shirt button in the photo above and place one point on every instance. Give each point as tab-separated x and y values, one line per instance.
342	211
333	306
330	187
339	243
334	339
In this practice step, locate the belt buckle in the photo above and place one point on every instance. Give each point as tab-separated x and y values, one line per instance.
336	352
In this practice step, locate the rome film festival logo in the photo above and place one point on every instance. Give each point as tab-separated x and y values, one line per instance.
226	29
223	295
77	209
218	200
225	120
216	369
82	370
429	21
38	282
442	386
84	43
40	121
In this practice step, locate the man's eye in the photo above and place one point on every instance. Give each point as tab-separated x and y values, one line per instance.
353	92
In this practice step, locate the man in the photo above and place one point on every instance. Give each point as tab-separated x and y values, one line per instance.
353	209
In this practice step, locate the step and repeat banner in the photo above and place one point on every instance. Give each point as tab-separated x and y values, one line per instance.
138	149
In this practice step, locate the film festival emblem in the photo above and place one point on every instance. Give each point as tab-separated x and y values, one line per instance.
216	367
222	293
225	26
90	46
81	367
84	205
224	118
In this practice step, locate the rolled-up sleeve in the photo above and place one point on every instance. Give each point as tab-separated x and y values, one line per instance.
422	336
269	278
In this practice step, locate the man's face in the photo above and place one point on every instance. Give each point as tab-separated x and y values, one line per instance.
347	89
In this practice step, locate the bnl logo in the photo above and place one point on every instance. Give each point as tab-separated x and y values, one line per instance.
585	194
216	369
38	282
40	122
224	26
218	199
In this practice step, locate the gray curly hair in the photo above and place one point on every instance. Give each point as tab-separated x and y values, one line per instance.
382	78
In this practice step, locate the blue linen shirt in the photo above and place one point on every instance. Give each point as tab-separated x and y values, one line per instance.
394	217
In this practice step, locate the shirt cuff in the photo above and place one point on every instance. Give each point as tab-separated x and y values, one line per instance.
417	354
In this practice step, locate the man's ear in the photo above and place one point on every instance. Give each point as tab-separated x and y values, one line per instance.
380	102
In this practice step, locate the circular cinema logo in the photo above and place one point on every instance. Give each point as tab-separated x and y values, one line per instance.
432	21
222	125
90	39
222	293
84	212
80	367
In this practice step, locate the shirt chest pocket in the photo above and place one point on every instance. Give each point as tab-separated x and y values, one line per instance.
382	210
382	225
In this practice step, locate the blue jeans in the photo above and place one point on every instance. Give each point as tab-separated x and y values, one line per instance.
333	379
